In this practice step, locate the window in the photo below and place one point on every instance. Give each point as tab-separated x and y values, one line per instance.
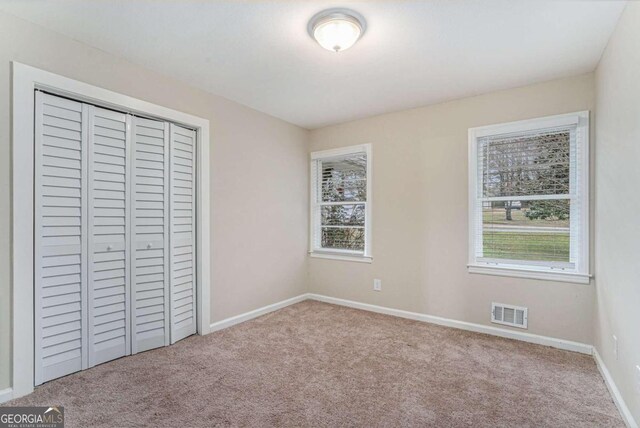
529	198
341	203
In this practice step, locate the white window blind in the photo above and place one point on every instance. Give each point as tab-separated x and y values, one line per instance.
340	201
528	195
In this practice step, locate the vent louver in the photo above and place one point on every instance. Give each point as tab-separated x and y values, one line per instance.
514	316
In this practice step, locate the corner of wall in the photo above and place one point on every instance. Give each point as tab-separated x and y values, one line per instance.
616	232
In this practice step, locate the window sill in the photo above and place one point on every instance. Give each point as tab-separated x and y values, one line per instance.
343	257
524	272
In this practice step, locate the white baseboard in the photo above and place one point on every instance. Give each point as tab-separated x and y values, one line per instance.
615	392
568	345
228	322
6	395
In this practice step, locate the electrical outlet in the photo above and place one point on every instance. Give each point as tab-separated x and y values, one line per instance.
615	346
638	380
377	285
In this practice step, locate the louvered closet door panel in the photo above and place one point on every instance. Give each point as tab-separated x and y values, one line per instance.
60	232
108	322
182	258
150	227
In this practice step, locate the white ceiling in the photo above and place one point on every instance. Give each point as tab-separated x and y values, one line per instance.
414	53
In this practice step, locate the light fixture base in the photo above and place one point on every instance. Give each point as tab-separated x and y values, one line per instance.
336	14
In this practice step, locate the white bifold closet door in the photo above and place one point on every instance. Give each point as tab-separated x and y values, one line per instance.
114	235
108	270
60	233
150	225
182	257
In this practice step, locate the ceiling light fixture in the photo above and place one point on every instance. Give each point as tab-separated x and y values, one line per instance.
336	29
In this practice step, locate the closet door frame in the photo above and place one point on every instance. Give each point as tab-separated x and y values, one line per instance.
25	81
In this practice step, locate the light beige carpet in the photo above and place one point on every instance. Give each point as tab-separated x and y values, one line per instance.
314	364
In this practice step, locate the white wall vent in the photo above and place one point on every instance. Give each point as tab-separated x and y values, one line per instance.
514	316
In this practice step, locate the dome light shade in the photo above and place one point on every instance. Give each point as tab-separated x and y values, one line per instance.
336	29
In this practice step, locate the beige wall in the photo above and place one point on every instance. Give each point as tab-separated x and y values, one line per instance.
420	214
618	204
258	175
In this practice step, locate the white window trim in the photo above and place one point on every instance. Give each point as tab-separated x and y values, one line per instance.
25	80
336	254
581	273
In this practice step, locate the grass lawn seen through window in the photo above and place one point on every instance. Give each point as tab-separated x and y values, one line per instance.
523	238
